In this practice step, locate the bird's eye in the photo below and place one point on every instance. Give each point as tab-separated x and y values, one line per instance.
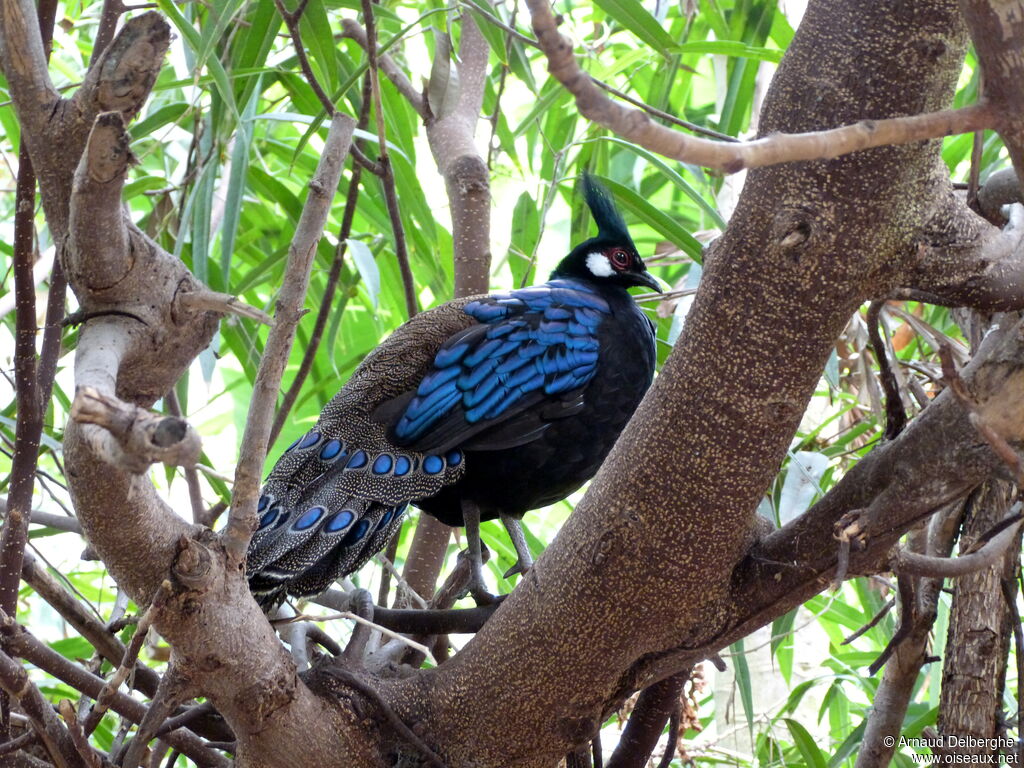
619	258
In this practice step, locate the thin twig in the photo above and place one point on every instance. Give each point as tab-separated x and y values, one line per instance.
15	681
895	416
653	709
195	493
673	735
23	644
664	115
387	176
367	623
78	737
873	623
414	621
365	162
390	570
388	557
996	542
242	517
27	738
87	625
327	300
996	441
166	699
112	10
733	157
291	20
492	144
362	606
905	588
29	427
131	655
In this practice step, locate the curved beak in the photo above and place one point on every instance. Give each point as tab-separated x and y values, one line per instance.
645	278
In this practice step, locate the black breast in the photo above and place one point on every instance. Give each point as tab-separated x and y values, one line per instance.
579	436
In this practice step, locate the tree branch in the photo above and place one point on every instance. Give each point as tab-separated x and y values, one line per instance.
14	680
327	301
637	127
387	177
242	517
906	561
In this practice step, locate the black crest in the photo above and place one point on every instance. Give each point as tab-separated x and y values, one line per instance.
610	223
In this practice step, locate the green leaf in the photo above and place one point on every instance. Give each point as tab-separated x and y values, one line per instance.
634	17
731	48
158	118
742	673
194	41
236	188
811	753
368	270
674	177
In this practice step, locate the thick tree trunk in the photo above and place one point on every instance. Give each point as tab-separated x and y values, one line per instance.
980	626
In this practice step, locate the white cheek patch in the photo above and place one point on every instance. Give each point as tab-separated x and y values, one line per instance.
599	265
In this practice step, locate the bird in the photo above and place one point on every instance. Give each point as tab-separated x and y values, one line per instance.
481	408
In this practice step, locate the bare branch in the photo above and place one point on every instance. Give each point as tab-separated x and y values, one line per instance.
24	63
88	626
99	256
222	304
14	680
637	127
327	300
77	735
29	427
996	31
133	438
387	177
352	29
643	730
121	79
21	643
983	270
905	561
242	517
291	20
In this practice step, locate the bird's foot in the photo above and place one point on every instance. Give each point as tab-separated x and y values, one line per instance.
481	595
524	560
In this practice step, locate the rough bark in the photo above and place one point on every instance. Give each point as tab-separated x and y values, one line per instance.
978	642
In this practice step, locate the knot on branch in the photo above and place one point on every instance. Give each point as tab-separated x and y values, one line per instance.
193	565
129	67
132	438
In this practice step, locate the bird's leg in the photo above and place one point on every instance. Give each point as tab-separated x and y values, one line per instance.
477	588
524	560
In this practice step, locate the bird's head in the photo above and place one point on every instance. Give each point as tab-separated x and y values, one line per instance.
610	258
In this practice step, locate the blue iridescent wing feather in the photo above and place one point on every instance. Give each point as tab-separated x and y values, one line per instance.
532	344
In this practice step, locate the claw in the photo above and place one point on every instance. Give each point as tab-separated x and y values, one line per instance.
520	567
524	560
